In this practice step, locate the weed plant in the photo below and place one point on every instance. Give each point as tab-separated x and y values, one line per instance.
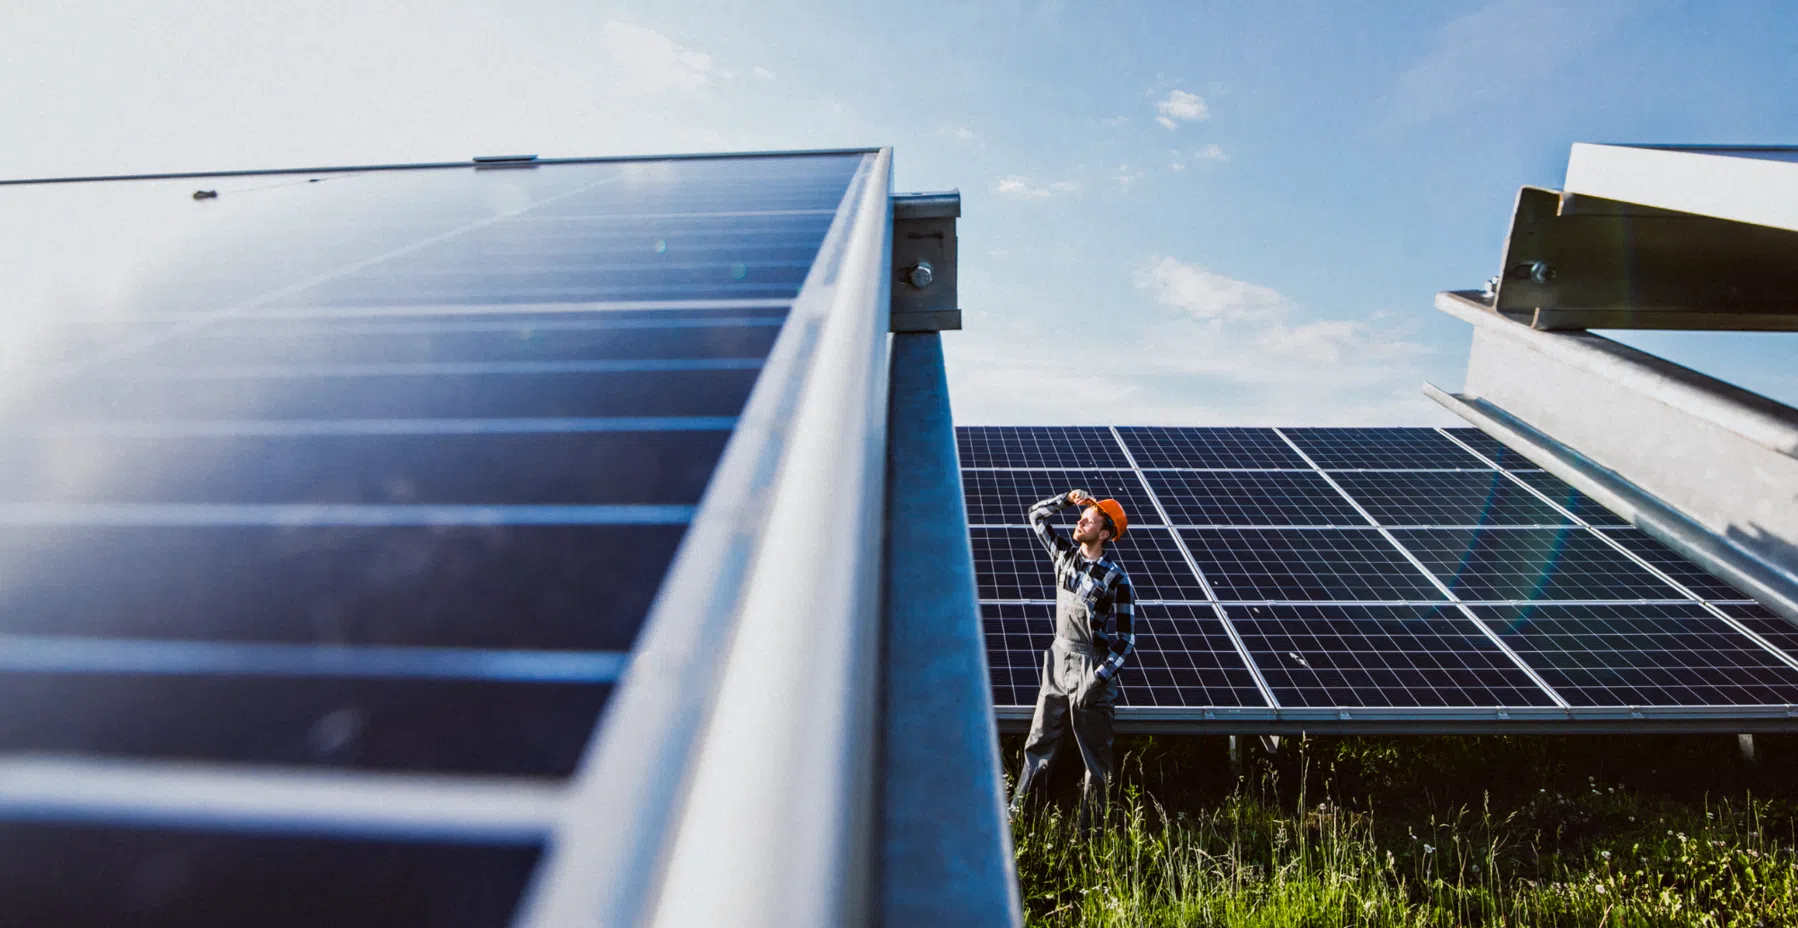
1284	844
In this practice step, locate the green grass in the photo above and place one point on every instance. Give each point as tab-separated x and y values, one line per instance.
1287	843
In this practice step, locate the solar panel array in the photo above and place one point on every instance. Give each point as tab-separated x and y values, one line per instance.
1399	573
379	472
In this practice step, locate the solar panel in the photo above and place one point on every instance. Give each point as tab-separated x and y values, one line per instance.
1689	575
1017	634
1779	632
1531	564
1004	497
373	471
1008	446
1158	446
1306	565
1442	498
1011	564
1250	498
1497	451
1644	654
1581	505
1380	449
99	874
1389	656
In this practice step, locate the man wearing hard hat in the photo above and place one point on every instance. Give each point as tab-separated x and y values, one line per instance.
1094	609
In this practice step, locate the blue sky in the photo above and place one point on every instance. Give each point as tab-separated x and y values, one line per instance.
1230	213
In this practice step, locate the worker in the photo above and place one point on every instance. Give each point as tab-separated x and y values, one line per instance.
1094	609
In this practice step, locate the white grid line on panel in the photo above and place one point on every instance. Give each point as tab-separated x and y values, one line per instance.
1192	563
1640	561
1434	580
221	796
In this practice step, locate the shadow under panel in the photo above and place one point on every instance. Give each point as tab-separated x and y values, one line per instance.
498	468
82	875
1531	564
1643	654
574	587
413	725
1380	656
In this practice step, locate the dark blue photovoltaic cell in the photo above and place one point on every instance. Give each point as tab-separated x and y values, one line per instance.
92	875
1447	498
1017	634
1689	575
1766	623
1493	449
1581	505
451	339
1009	563
479	586
1380	449
1184	657
1306	565
1006	446
1250	498
1622	654
1530	564
420	725
1387	656
642	467
1003	497
1158	446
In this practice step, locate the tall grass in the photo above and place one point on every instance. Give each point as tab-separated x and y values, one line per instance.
1592	856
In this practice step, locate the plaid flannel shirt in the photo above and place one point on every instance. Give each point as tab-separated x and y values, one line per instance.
1114	598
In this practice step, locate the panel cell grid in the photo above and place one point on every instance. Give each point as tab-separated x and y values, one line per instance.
1531	564
1766	623
1643	655
1009	563
1570	499
1157	569
1158	446
1380	656
1058	446
1381	449
1250	498
1184	657
1306	565
1683	572
1004	497
1017	634
1445	498
1500	453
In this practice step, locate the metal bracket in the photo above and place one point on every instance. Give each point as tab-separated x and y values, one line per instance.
924	295
1580	262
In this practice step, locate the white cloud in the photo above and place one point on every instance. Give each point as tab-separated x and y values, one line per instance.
962	134
650	61
1126	175
1180	106
1211	153
1205	295
1018	186
1178	160
760	73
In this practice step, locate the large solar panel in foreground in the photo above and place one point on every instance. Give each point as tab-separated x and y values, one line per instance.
1343	575
353	472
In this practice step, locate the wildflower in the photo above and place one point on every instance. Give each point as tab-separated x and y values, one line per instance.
1428	849
1708	816
1599	888
1605	854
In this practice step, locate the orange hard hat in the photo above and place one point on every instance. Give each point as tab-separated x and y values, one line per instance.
1113	511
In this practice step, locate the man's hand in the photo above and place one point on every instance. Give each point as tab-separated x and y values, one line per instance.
1089	691
1078	497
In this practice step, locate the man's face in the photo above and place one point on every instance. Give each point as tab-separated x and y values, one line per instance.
1091	526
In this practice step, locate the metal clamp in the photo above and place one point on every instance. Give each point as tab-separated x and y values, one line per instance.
924	296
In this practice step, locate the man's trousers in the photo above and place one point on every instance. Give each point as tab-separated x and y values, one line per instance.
1069	668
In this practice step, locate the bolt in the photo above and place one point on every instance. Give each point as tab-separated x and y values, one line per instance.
921	275
1541	272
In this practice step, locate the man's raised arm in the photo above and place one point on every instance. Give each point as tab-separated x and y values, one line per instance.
1057	544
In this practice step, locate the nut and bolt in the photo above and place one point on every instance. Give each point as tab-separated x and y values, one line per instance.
920	275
